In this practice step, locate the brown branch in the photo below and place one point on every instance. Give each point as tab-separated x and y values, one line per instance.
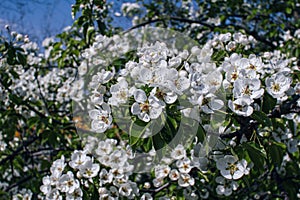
142	24
289	106
203	23
15	153
248	126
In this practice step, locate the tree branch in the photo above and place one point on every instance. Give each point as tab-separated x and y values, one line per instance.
203	23
248	126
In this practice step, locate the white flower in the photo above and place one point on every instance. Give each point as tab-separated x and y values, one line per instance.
255	65
164	95
58	166
119	92
178	152
231	168
118	158
2	145
198	83
161	171
230	66
209	103
97	98
174	175
184	166
125	190
101	77
129	9
224	37
54	195
278	84
145	108
146	196
226	186
89	169
180	85
231	46
67	183
101	118
82	69
113	192
78	159
195	50
241	106
157	182
240	38
214	80
186	180
153	53
46	187
119	177
205	54
247	87
174	62
163	76
292	145
76	195
24	194
103	193
105	147
105	177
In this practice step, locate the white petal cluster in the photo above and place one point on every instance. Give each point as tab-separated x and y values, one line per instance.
146	108
278	84
182	166
101	118
231	168
58	183
225	186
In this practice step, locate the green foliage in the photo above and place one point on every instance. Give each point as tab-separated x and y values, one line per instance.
38	130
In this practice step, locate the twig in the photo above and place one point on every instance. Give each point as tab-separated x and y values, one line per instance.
210	26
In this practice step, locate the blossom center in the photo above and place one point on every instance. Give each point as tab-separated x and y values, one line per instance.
238	107
276	87
70	183
252	67
232	168
247	91
104	119
145	107
234	76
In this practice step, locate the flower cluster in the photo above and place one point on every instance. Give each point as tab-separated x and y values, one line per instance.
104	163
107	164
157	85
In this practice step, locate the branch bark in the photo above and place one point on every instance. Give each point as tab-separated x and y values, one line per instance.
203	23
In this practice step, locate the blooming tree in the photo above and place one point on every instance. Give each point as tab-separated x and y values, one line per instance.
197	100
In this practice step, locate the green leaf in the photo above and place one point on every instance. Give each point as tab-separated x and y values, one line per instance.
288	10
147	144
268	103
261	118
158	141
11	56
201	133
32	121
256	155
276	152
21	58
172	122
15	99
136	131
292	126
158	144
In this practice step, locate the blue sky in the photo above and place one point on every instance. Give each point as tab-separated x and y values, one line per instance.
37	18
44	18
